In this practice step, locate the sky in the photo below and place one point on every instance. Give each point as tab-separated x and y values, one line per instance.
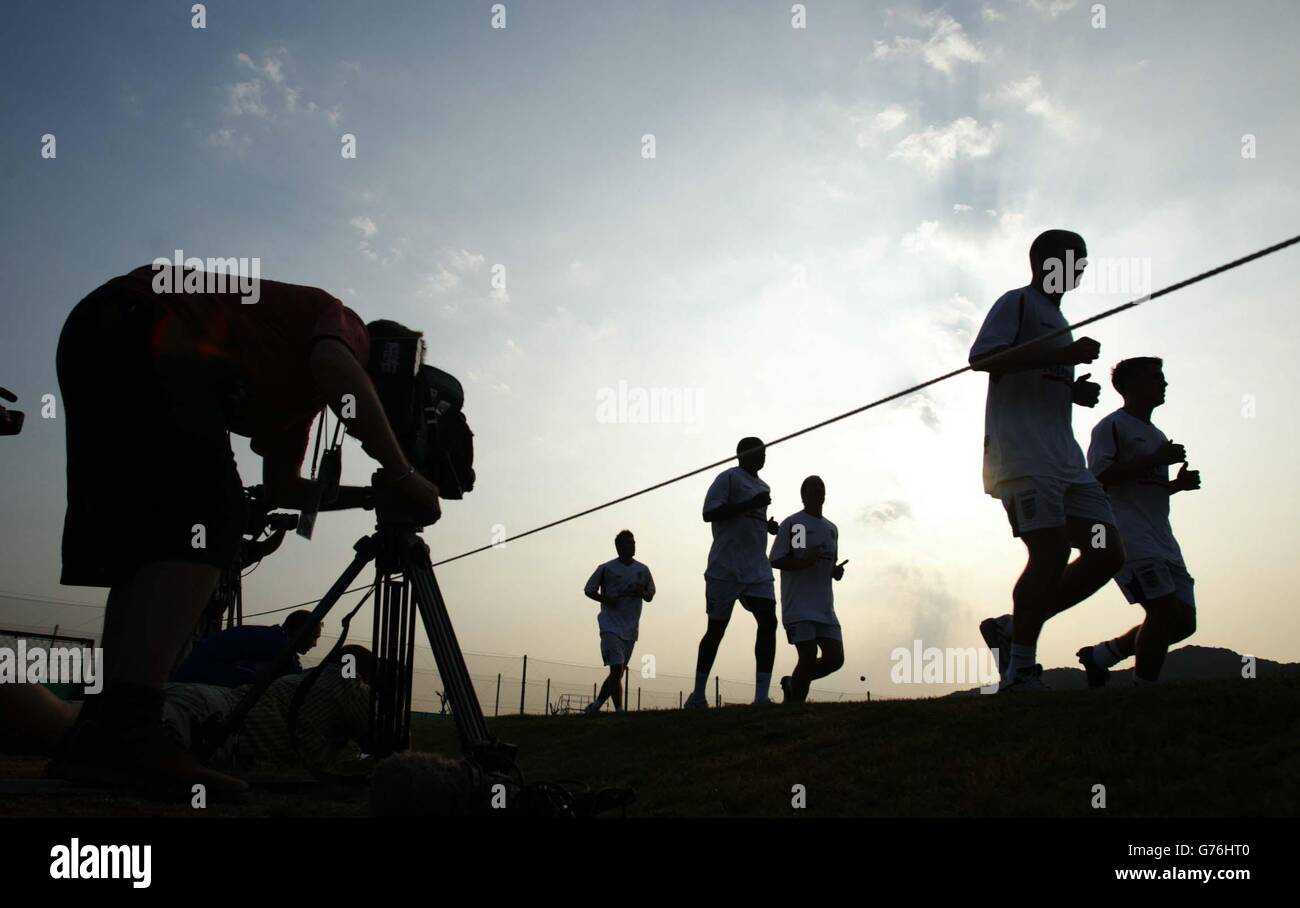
700	202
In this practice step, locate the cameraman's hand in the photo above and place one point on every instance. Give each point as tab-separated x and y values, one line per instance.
420	494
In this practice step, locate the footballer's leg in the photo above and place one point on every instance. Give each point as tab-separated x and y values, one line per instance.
831	659
1048	549
1168	621
795	685
1101	555
1098	660
708	651
764	612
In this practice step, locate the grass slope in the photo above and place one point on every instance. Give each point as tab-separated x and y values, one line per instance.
1206	748
1219	748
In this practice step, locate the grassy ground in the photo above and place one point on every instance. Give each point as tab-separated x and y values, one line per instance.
1221	748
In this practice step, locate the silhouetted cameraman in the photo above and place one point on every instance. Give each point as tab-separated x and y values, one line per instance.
153	380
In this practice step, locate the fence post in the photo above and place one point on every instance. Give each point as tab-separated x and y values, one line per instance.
627	687
638	698
497	709
548	696
680	704
717	692
523	685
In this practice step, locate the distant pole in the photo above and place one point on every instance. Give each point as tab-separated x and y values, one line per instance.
497	709
679	700
627	685
548	696
717	692
638	698
523	685
593	691
868	696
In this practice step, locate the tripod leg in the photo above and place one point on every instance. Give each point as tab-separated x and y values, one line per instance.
214	738
470	724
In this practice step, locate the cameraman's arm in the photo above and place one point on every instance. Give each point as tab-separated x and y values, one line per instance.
336	372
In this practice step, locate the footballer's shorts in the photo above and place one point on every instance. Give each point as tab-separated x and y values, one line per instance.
720	596
151	475
1044	502
1144	579
615	650
805	631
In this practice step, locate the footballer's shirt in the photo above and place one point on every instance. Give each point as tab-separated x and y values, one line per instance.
625	581
807	595
739	550
1027	430
1141	504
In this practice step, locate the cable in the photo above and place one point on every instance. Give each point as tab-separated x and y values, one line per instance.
892	397
1164	291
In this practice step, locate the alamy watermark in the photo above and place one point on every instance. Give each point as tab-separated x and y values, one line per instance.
951	665
1102	275
210	275
22	664
634	405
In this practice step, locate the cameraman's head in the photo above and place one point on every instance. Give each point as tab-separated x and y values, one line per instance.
295	622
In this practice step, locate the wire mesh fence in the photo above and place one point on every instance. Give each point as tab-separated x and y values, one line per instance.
509	684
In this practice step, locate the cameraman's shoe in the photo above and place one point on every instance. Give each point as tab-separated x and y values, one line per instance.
144	757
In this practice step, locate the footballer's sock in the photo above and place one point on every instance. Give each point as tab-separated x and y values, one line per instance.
1021	657
701	682
761	685
1107	654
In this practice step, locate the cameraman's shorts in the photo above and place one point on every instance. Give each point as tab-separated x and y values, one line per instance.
151	476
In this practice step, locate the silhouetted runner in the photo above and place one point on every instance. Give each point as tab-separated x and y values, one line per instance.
736	507
1131	458
620	586
1032	462
804	551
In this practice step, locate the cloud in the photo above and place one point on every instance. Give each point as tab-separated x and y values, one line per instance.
231	139
922	594
365	225
1053	8
581	275
890	118
934	150
271	67
946	45
268	92
885	513
992	15
959	208
245	99
1029	92
957	316
464	260
928	412
451	274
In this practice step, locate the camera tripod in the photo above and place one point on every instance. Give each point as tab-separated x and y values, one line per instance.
404	586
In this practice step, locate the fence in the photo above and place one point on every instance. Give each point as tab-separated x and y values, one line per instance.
509	684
